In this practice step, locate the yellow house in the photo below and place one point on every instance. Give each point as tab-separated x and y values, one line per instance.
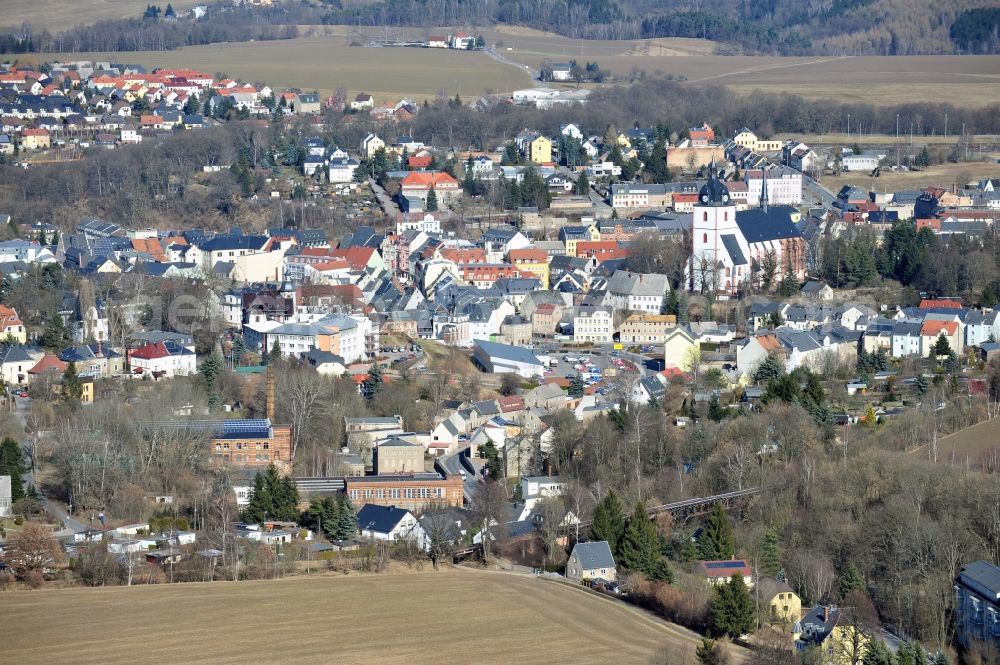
34	139
831	631
779	604
540	150
571	235
87	394
535	261
680	349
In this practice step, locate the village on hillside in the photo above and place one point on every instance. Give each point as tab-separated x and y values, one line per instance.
496	329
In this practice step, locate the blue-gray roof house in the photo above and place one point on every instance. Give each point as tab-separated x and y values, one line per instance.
591	561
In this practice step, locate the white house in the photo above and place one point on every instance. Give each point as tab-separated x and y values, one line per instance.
342	169
537	488
391	524
162	359
593	325
5	496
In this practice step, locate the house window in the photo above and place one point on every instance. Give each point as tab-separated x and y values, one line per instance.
704	238
704	216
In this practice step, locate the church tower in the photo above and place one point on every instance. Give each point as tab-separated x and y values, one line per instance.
714	218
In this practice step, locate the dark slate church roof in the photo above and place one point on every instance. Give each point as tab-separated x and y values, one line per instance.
732	246
772	223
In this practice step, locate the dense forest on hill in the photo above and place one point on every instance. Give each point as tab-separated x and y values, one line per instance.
777	27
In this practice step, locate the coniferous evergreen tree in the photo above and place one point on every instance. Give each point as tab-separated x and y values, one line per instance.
850	580
640	549
717	540
273	497
609	522
770	553
732	609
12	464
72	387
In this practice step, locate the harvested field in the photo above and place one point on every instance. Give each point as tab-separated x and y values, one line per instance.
325	63
941	175
449	616
56	15
972	443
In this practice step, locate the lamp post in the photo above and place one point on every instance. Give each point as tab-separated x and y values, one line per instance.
946	125
897	126
848	125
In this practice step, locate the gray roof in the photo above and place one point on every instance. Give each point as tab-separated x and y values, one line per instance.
594	555
380	519
983	578
732	246
507	352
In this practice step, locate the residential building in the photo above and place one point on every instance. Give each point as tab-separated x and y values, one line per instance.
829	630
680	349
391	524
591	561
537	488
720	572
977	607
5	496
162	360
594	326
11	326
933	328
637	292
782	604
371	144
646	328
395	456
35	139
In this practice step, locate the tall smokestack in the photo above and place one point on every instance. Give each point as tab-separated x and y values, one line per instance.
269	391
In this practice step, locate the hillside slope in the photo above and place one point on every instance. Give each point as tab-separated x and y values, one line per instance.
858	27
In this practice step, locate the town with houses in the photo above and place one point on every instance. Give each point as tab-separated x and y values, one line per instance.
552	307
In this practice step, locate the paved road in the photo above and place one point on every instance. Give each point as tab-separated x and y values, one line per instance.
533	73
51	507
818	191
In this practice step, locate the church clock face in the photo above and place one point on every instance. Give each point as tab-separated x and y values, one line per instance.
704	198
725	198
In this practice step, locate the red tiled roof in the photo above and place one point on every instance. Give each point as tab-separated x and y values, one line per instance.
939	304
49	363
528	254
151	351
428	179
511	403
358	257
933	328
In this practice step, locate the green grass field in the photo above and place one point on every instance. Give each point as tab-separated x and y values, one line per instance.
438	618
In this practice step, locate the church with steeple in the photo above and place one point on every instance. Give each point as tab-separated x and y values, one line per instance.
732	250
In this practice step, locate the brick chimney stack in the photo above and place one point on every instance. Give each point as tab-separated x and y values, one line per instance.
269	392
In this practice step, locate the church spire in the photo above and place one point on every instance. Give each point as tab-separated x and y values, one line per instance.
763	190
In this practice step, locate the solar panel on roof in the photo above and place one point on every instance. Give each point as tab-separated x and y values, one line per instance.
713	565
